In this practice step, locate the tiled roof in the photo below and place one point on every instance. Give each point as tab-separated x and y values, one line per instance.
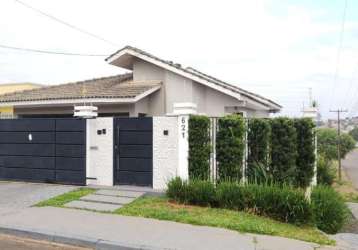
119	86
204	76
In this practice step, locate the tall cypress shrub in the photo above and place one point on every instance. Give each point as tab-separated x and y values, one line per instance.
199	147
305	151
283	150
258	137
230	147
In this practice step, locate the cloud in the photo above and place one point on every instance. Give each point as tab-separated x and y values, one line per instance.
288	46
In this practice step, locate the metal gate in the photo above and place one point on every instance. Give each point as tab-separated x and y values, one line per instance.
133	151
43	150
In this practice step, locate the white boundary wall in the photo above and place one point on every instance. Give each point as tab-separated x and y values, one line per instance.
99	148
165	150
170	150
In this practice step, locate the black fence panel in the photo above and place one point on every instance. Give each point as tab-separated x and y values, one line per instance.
43	150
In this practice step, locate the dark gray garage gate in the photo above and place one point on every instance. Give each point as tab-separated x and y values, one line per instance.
133	151
43	150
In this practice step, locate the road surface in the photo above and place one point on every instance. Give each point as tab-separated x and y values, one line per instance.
15	243
350	165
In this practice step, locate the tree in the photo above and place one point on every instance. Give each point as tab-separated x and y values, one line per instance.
354	133
327	139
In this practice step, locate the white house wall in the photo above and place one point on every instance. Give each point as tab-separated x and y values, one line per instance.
146	71
99	160
142	106
178	89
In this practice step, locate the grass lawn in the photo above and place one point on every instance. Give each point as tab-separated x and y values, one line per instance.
61	200
160	208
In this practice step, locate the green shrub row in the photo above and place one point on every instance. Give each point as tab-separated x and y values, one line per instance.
327	209
305	159
283	150
258	138
230	144
280	150
282	203
199	147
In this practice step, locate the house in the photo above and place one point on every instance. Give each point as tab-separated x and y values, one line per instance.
5	88
152	88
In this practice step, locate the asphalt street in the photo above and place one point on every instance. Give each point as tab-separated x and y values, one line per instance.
350	165
15	243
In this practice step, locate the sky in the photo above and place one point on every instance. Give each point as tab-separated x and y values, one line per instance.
279	49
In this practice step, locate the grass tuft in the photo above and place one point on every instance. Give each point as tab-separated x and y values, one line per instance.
160	208
61	200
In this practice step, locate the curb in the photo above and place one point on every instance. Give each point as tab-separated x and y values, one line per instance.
74	240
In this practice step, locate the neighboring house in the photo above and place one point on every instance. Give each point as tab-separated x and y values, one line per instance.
152	88
6	88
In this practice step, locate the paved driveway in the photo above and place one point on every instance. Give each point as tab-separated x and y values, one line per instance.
15	196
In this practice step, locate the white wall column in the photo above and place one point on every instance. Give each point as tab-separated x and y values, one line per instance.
165	150
183	147
99	148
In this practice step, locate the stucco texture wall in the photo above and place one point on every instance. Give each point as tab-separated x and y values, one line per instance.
165	150
99	161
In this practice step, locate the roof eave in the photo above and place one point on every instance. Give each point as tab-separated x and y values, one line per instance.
73	101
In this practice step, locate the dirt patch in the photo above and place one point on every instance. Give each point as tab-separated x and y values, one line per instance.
173	204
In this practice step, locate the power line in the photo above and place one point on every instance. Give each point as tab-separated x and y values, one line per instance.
352	103
48	51
336	73
66	23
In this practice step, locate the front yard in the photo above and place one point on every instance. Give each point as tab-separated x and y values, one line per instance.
162	209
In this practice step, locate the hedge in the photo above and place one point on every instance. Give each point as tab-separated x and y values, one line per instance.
278	202
329	210
199	147
230	144
305	159
258	137
284	203
283	150
280	150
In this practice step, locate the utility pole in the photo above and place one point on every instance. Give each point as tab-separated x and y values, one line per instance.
339	111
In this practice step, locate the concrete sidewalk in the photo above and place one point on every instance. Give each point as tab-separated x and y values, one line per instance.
106	231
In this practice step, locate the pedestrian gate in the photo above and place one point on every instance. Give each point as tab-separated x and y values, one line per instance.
133	151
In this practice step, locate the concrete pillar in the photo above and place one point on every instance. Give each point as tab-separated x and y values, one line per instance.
99	151
312	112
182	111
183	147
